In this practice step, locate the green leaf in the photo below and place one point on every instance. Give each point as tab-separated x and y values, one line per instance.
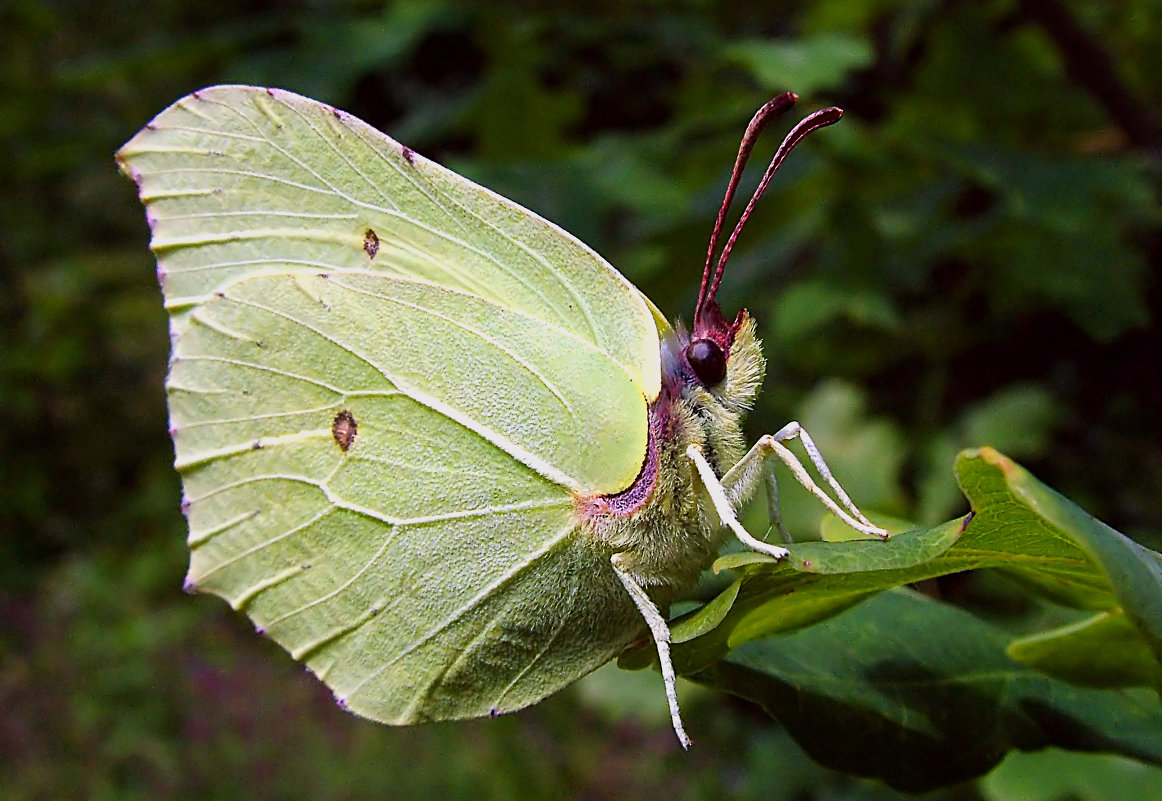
1013	508
707	616
915	674
817	581
1105	650
1052	774
920	694
1018	524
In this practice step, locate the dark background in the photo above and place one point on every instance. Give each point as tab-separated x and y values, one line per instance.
970	257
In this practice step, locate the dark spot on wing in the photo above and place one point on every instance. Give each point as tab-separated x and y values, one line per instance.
343	429
370	243
408	154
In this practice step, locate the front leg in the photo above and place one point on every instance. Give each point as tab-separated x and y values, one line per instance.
723	505
741	481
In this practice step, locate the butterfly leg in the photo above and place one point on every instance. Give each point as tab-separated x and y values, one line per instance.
661	634
772	445
793	430
740	482
743	486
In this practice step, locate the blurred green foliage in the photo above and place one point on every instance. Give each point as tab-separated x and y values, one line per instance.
971	257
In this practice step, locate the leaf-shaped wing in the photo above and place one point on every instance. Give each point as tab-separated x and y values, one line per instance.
387	385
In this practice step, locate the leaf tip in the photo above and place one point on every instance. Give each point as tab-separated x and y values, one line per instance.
988	453
964	522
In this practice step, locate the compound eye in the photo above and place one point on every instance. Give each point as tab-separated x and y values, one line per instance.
707	361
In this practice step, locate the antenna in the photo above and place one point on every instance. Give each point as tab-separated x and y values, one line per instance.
773	108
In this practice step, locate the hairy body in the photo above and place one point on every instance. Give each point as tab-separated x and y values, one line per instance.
665	526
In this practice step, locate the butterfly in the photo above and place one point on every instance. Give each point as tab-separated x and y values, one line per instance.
430	443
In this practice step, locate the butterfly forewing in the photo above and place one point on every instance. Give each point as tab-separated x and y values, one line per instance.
241	180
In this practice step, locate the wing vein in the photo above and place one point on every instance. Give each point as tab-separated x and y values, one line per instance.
516	357
472	603
266	543
265	368
501	441
458	219
561	626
